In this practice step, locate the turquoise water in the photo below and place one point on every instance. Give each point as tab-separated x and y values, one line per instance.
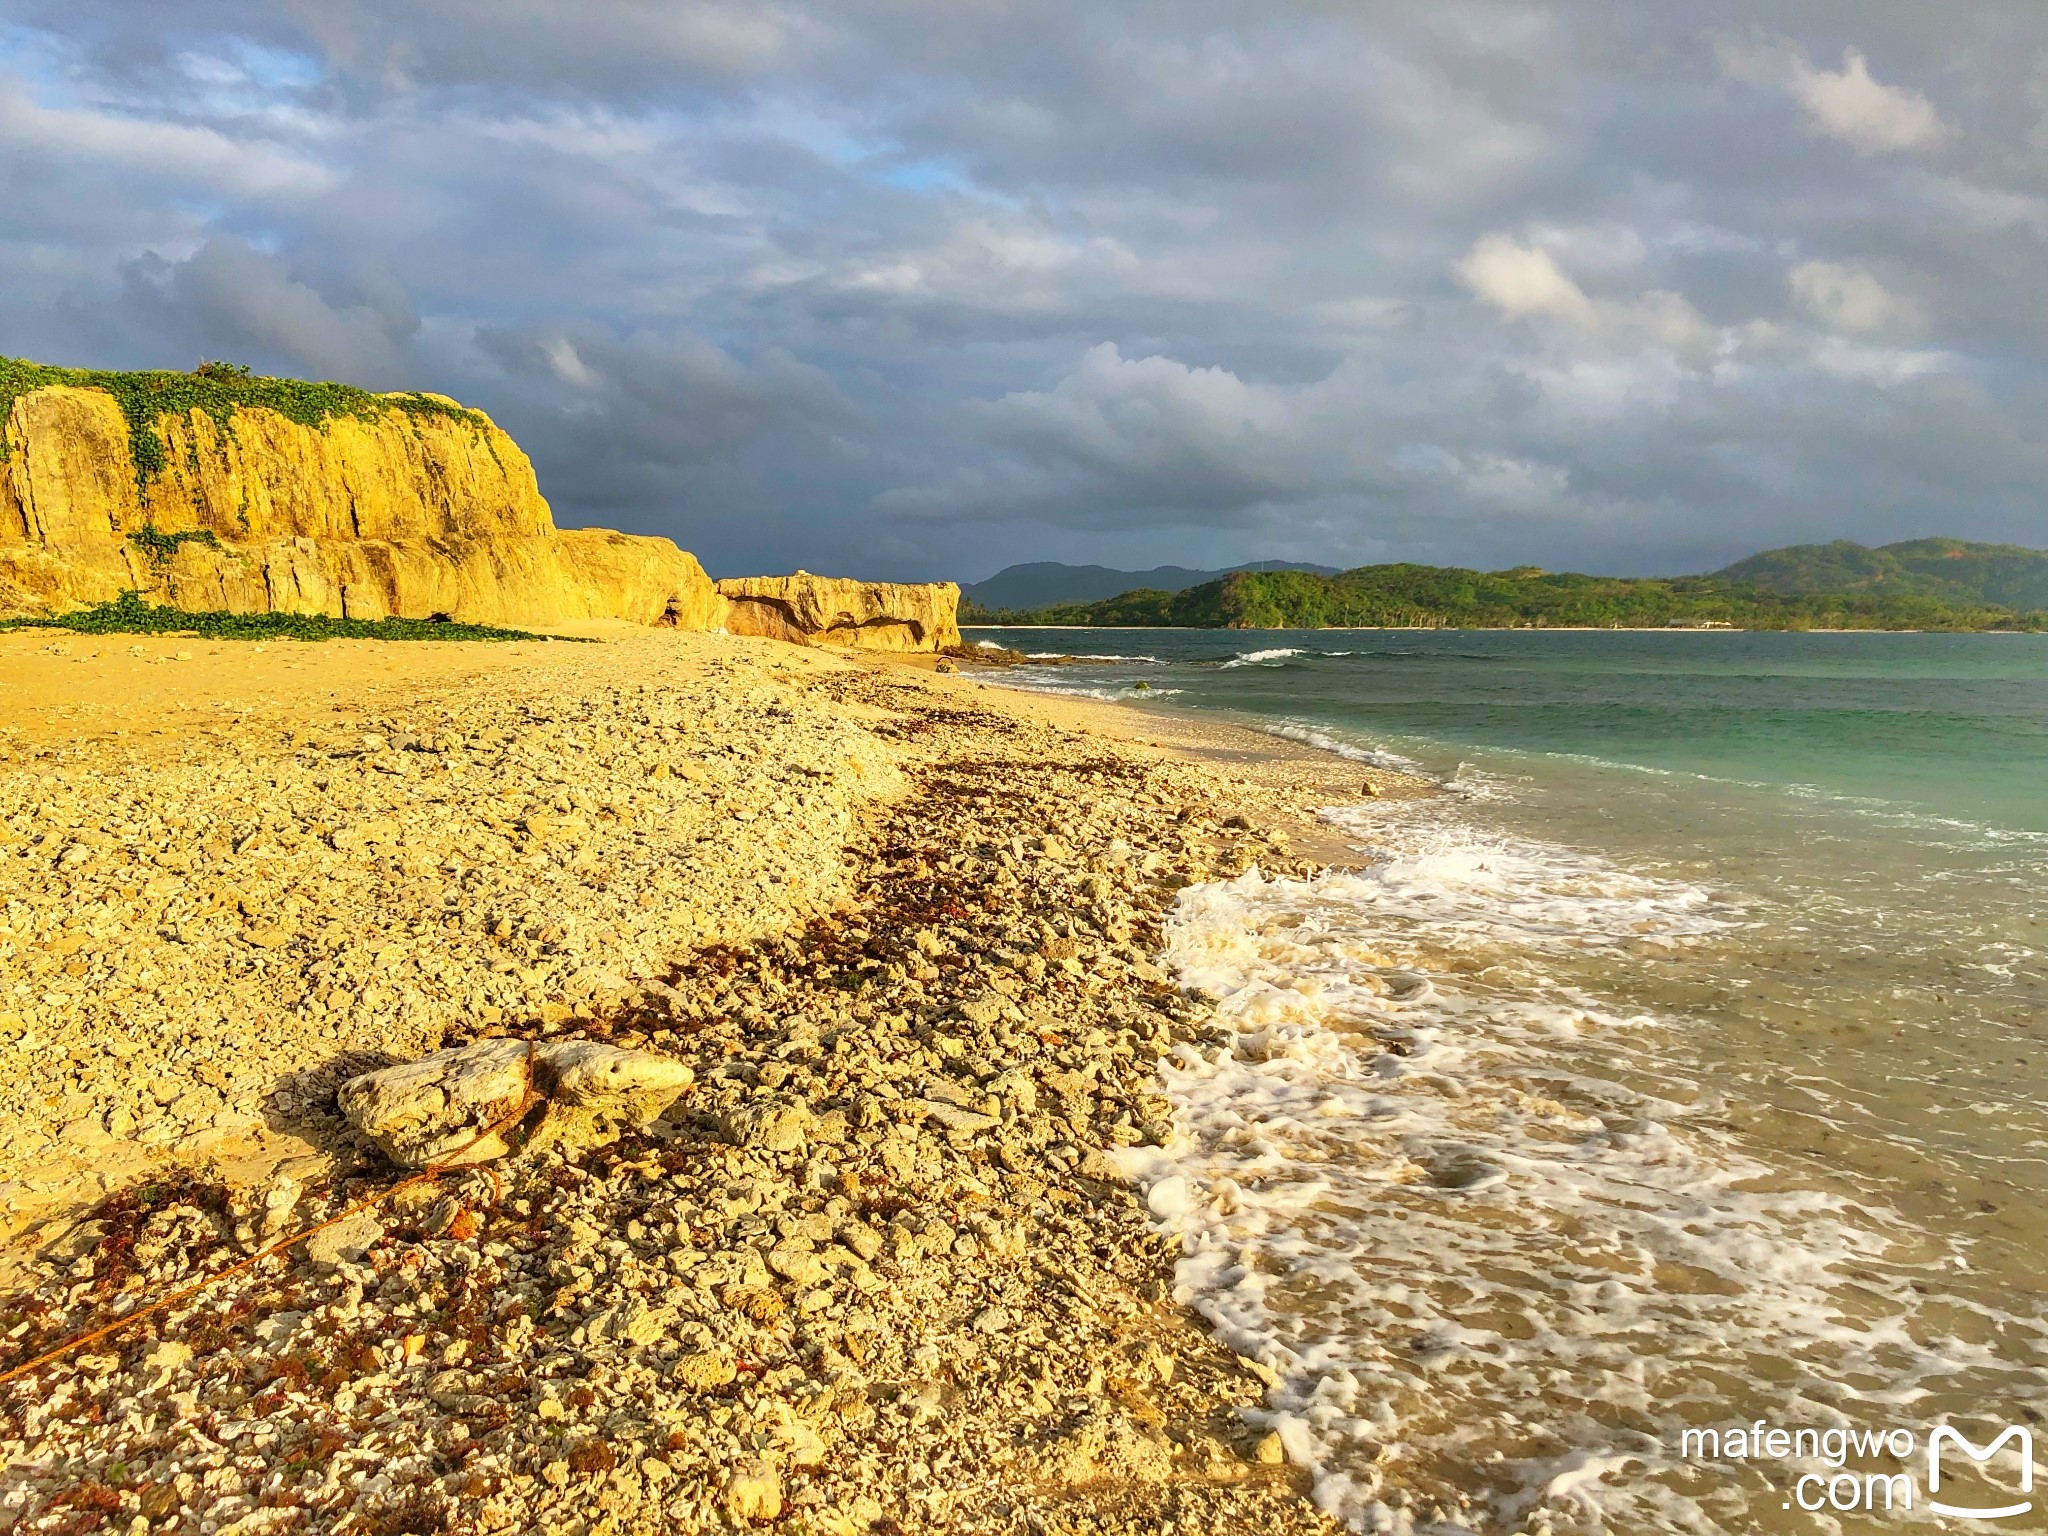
1684	1064
1941	725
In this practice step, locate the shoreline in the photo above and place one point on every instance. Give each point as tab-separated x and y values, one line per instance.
1482	629
910	915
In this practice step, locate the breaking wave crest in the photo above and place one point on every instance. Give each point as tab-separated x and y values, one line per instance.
1261	658
1142	661
1324	741
1077	690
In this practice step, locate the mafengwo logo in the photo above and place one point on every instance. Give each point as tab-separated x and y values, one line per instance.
1854	1477
1946	1436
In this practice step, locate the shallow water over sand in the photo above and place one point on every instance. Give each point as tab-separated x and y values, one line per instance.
1683	1068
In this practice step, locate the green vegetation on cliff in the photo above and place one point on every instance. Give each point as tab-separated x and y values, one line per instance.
1431	596
215	388
162	548
128	614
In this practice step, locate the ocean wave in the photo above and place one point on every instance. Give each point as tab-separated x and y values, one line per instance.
1472	783
1873	807
1422	1183
1891	813
1280	654
1150	661
1112	694
1429	655
1323	741
1262	658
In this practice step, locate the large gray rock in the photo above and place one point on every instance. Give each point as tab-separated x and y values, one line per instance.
439	1108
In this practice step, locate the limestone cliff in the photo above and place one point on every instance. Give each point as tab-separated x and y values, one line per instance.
323	500
865	615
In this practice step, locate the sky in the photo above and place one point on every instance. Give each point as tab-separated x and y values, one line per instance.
916	288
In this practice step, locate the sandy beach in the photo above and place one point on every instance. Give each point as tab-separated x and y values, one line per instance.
875	1271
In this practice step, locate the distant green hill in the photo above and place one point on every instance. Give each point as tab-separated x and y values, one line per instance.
1041	583
1940	584
1950	569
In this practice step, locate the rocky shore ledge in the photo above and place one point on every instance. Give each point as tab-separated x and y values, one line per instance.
872	1271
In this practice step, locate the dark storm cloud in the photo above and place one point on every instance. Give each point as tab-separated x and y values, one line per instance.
918	288
228	297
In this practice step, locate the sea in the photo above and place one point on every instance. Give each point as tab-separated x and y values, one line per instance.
1681	1068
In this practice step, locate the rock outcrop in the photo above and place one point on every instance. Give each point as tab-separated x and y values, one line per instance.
862	615
415	509
454	1104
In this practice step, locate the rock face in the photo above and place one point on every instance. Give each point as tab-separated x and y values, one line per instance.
440	1106
861	615
409	513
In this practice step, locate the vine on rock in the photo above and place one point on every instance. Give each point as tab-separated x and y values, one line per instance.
161	547
216	388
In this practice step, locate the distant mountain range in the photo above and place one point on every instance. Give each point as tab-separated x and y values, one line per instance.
1043	582
1943	584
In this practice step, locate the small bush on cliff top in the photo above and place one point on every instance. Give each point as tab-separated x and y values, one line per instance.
215	388
130	615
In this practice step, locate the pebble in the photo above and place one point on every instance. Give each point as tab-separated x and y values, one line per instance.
346	1242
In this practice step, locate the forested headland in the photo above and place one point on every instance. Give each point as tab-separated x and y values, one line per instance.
1928	584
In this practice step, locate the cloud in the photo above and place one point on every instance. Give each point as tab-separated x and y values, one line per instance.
1847	104
1849	298
916	288
649	413
191	155
1522	280
618	45
990	264
1886	367
1512	482
1160	439
230	300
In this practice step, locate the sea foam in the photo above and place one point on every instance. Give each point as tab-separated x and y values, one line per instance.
1495	1240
